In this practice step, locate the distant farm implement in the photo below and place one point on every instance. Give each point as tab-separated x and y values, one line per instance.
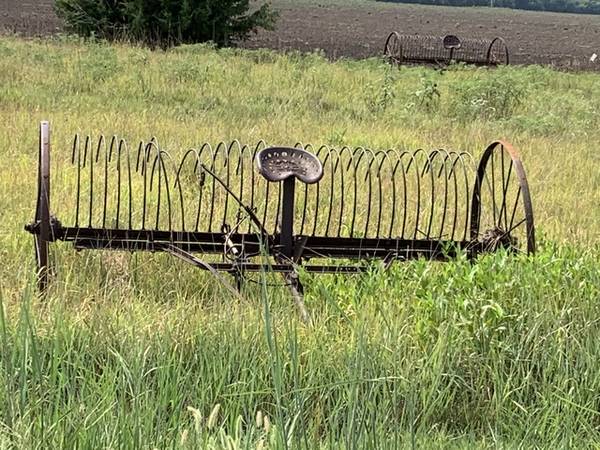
424	49
236	209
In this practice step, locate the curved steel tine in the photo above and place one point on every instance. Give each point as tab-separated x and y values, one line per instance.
455	157
304	202
144	171
137	160
429	162
449	166
220	145
85	149
101	141
227	165
467	193
154	164
339	166
420	173
383	155
154	141
240	175
162	154
355	161
444	168
123	145
162	173
338	159
467	156
261	145
77	144
318	187
307	147
329	156
107	154
368	175
400	164
418	179
205	148
388	158
177	184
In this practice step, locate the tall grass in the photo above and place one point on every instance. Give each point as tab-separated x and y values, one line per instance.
138	351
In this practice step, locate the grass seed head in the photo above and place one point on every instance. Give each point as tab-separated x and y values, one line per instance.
197	417
214	415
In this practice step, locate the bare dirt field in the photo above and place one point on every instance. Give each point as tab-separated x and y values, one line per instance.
358	29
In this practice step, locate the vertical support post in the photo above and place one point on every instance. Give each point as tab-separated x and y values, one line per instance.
43	209
286	238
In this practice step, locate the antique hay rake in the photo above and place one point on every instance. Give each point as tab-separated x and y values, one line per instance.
240	209
424	49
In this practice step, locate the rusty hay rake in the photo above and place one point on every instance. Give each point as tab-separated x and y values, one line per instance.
239	209
424	49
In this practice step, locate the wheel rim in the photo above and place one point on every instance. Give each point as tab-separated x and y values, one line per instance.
498	52
42	210
392	50
502	212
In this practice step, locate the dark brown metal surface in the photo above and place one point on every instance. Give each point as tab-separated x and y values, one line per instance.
281	163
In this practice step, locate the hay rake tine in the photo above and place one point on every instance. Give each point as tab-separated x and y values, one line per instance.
77	144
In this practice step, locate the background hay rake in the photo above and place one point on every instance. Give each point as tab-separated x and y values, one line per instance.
426	49
304	206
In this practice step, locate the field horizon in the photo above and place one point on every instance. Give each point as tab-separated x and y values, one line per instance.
358	28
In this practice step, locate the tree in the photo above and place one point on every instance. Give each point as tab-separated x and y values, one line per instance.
165	22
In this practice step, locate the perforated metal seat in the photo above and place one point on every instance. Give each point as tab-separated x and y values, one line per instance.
280	163
451	42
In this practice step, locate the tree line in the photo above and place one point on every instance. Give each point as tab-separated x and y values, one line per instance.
571	6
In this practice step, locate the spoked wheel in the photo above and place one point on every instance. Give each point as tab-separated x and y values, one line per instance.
41	222
393	48
501	210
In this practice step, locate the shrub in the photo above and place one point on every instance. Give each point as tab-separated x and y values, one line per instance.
165	22
493	97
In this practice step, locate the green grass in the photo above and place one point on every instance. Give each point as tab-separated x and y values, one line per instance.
136	351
